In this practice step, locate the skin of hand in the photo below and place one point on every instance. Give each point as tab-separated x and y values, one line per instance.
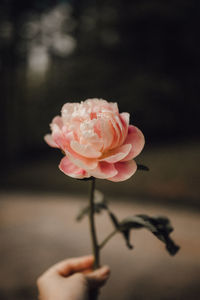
71	279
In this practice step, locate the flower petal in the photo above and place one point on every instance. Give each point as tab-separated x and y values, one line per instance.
49	140
79	160
58	121
125	170
58	137
117	154
106	133
67	167
85	150
55	139
104	170
82	162
135	137
125	118
116	134
68	110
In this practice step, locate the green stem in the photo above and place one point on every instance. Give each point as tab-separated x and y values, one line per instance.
107	238
95	246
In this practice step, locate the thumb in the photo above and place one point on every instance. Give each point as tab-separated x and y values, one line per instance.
98	277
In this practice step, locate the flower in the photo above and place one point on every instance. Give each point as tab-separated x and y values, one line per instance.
96	139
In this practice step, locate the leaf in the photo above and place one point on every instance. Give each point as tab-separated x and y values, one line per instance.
114	220
142	167
117	226
159	226
83	212
99	204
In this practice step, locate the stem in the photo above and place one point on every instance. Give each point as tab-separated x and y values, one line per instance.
95	246
107	238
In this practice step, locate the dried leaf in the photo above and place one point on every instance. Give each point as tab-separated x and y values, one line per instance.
142	167
114	220
159	226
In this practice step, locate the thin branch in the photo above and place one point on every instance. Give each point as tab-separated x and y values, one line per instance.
108	238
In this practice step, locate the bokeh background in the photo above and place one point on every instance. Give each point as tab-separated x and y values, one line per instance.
143	55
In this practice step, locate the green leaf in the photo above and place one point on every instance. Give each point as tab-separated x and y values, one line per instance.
159	226
142	167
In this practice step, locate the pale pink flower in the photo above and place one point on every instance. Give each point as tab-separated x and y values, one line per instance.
97	140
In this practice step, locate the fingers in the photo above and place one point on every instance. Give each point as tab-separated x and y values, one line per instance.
72	265
98	277
81	265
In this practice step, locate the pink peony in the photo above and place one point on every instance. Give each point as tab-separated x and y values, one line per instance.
96	139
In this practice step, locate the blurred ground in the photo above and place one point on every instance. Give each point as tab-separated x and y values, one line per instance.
37	230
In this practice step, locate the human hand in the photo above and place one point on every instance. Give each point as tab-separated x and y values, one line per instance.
71	279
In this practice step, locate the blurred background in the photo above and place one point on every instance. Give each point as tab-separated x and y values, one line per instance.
143	55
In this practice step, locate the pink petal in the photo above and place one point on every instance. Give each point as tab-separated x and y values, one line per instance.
125	118
82	162
135	137
79	160
120	127
67	167
59	137
68	109
125	170
106	133
104	170
58	121
85	150
63	140
49	140
117	154
116	134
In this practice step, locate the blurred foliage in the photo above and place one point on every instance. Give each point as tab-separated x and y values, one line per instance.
142	54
